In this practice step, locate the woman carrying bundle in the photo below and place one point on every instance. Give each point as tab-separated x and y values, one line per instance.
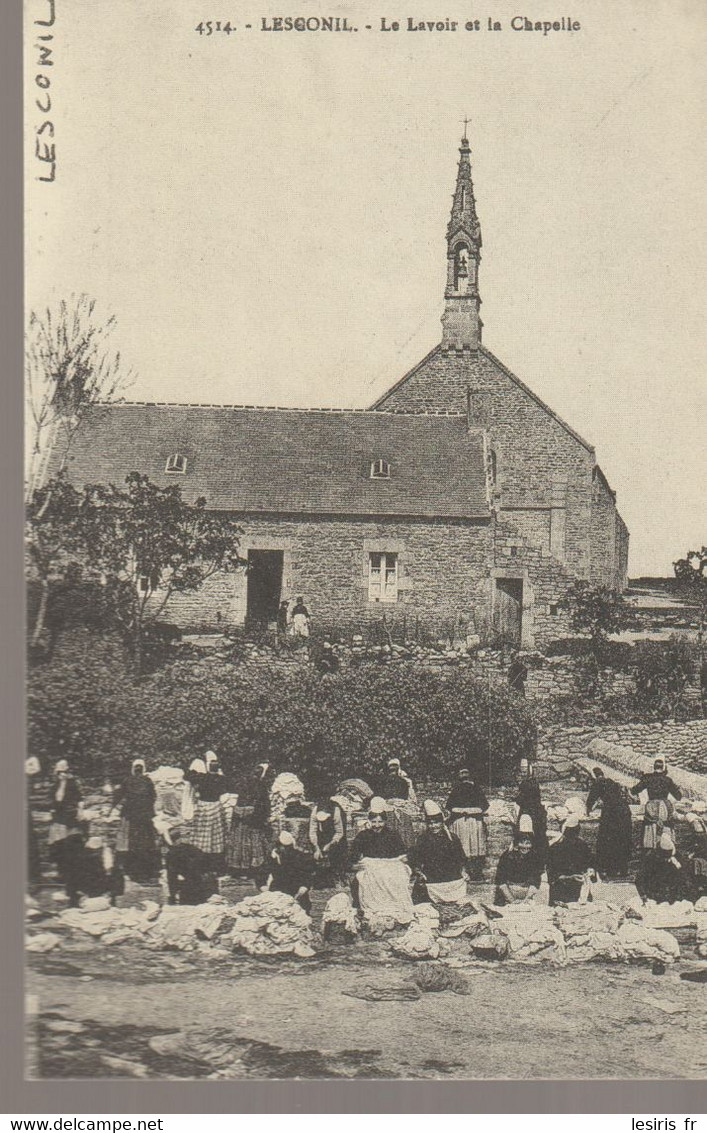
658	814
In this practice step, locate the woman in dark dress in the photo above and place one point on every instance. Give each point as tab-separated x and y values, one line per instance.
529	802
438	860
90	870
396	787
190	881
248	842
291	871
518	873
658	813
613	848
327	834
569	864
65	798
467	804
662	876
136	843
381	886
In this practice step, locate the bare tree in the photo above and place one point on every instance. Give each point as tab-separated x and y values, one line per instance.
71	365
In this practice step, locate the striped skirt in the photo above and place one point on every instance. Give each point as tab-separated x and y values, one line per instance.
247	845
208	828
471	832
400	819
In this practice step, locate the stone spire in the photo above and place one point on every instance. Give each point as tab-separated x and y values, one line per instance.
461	322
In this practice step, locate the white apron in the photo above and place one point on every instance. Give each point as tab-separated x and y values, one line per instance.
447	892
384	889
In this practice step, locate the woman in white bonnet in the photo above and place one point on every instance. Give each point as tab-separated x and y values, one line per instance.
136	843
382	881
438	858
65	799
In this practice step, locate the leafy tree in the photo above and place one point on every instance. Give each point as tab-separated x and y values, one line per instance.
55	543
70	366
664	671
146	544
691	584
597	612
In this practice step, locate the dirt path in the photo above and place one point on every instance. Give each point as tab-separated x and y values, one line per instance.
293	1019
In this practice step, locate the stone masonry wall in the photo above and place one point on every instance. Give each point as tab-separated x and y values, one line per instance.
684	744
609	539
539	462
545	583
443	573
445	577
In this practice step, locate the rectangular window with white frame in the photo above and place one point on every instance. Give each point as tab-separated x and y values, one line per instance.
382	576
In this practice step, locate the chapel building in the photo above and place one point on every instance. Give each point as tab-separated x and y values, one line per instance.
458	504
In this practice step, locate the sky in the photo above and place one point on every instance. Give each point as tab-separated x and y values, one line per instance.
264	213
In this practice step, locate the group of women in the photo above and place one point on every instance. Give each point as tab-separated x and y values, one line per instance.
225	826
571	865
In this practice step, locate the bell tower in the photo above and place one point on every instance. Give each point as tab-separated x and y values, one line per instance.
461	321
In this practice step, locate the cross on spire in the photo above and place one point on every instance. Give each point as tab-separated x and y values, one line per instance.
461	321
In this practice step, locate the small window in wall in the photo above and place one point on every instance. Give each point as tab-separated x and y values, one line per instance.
382	577
380	470
176	463
554	609
143	584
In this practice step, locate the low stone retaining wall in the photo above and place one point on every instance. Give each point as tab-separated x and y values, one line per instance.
548	678
682	744
557	677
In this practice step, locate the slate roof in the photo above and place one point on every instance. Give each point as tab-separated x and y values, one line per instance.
314	461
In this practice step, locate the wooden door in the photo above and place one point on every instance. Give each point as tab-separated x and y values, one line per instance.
508	610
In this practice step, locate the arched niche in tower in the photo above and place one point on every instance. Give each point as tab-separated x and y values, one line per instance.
461	267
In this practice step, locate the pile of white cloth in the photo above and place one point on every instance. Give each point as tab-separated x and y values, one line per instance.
96	918
272	924
286	788
339	911
579	933
183	926
266	924
420	942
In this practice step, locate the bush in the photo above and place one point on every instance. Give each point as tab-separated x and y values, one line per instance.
596	611
82	705
663	672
